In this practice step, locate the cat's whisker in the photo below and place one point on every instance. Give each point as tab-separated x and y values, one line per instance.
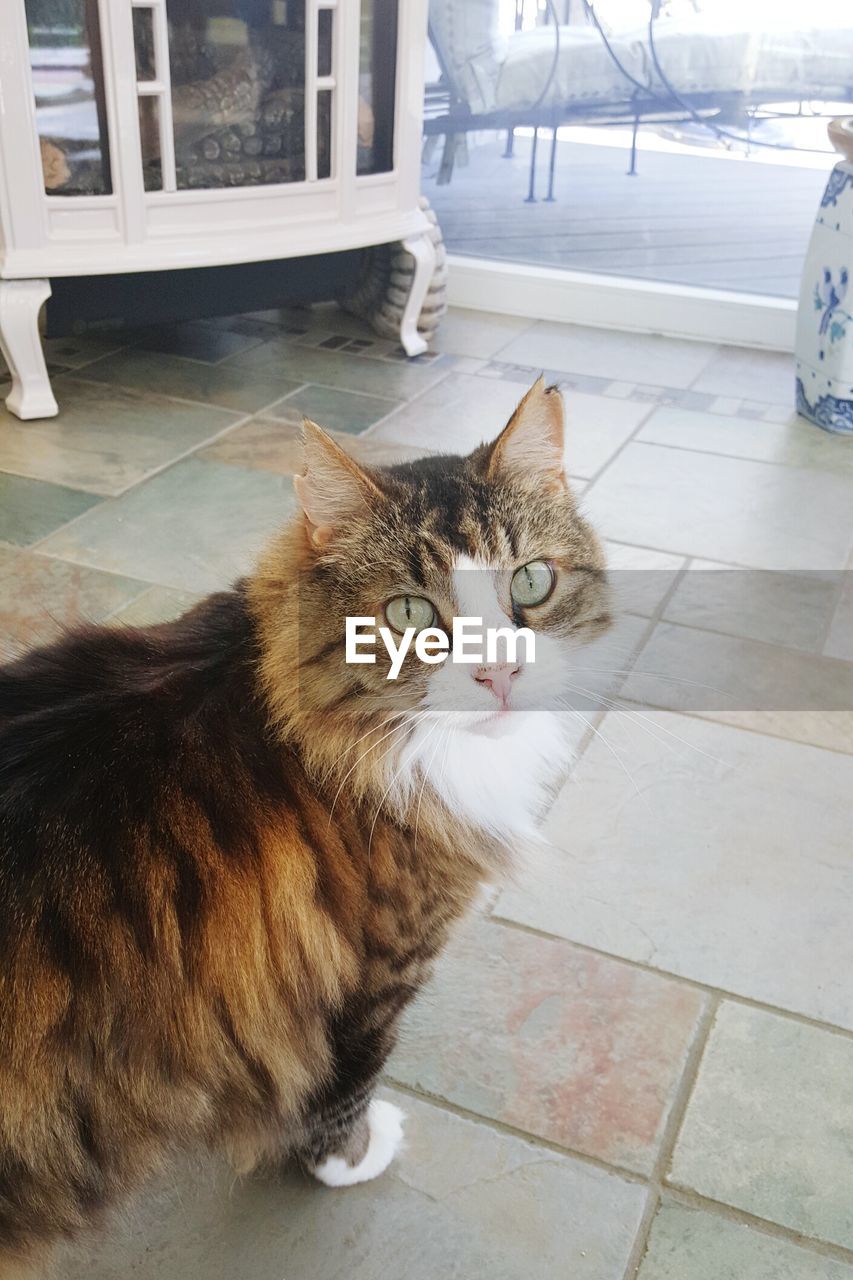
426	773
374	729
406	724
637	716
657	675
616	757
389	788
448	739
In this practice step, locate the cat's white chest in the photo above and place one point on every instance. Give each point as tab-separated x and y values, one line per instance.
500	783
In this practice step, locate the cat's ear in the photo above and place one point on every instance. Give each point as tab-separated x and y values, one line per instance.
531	444
333	488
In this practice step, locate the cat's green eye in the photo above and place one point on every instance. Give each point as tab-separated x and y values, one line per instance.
532	583
409	611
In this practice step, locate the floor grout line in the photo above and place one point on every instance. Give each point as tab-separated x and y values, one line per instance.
630	439
640	1244
659	1190
511	1131
137	484
672	1129
265	408
692	555
102	355
684	1092
737	457
733	997
717	719
776	1230
405	405
797	650
129	389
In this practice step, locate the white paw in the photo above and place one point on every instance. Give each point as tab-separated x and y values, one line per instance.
386	1137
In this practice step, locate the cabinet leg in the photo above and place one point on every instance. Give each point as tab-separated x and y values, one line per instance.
20	342
423	251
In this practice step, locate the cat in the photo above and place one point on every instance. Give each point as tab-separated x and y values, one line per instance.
228	859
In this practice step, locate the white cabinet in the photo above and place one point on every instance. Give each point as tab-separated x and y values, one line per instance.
147	135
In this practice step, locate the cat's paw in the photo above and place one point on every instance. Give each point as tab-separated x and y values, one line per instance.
386	1137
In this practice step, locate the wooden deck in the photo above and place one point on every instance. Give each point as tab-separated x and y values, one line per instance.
687	219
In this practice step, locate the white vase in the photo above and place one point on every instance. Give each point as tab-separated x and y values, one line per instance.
824	351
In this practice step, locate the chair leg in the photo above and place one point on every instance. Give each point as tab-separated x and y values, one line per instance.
20	342
448	155
632	167
509	149
552	161
531	192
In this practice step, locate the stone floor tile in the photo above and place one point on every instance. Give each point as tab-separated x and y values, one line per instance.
793	442
454	416
830	729
81	349
606	353
31	509
765	687
705	851
690	1244
327	317
747	513
793	609
39	597
260	445
397	380
462	1202
599	670
229	386
379	453
640	578
573	1047
156	604
751	375
464	410
196	340
195	527
332	408
769	1127
480	334
105	438
332	318
839	640
596	426
277	446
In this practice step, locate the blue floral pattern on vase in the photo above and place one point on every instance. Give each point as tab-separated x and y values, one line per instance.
829	294
838	182
829	412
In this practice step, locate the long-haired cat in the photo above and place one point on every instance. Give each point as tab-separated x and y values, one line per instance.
228	858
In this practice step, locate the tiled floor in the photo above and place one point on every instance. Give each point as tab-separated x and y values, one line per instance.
638	1059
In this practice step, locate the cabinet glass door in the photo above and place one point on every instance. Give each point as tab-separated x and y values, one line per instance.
377	81
68	81
241	111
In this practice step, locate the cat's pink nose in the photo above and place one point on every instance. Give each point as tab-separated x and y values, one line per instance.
498	678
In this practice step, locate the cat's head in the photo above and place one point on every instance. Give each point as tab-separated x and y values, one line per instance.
495	535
